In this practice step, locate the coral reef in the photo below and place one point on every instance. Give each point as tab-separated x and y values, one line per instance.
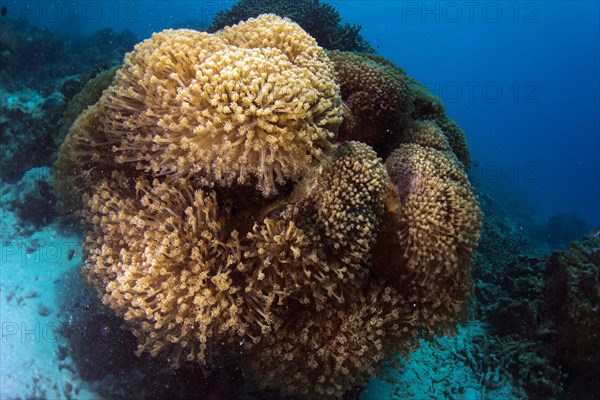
40	57
320	20
544	312
32	200
509	300
27	121
564	228
226	227
253	242
41	71
462	366
571	298
501	242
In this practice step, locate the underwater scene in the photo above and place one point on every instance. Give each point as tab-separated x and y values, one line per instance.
299	199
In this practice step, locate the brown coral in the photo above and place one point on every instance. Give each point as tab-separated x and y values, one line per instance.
456	138
83	159
427	134
323	355
69	182
427	106
431	239
375	93
380	100
349	201
88	96
256	103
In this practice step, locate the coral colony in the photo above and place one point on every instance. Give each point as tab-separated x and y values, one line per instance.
225	225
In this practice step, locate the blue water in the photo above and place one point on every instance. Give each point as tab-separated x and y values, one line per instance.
522	78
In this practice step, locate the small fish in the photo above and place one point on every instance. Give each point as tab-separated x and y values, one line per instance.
71	254
4	11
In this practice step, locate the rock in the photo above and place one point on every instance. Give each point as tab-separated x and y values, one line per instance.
34	199
44	310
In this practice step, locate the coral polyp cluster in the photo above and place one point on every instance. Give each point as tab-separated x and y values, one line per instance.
432	237
169	258
155	253
376	95
382	102
256	103
324	355
225	225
